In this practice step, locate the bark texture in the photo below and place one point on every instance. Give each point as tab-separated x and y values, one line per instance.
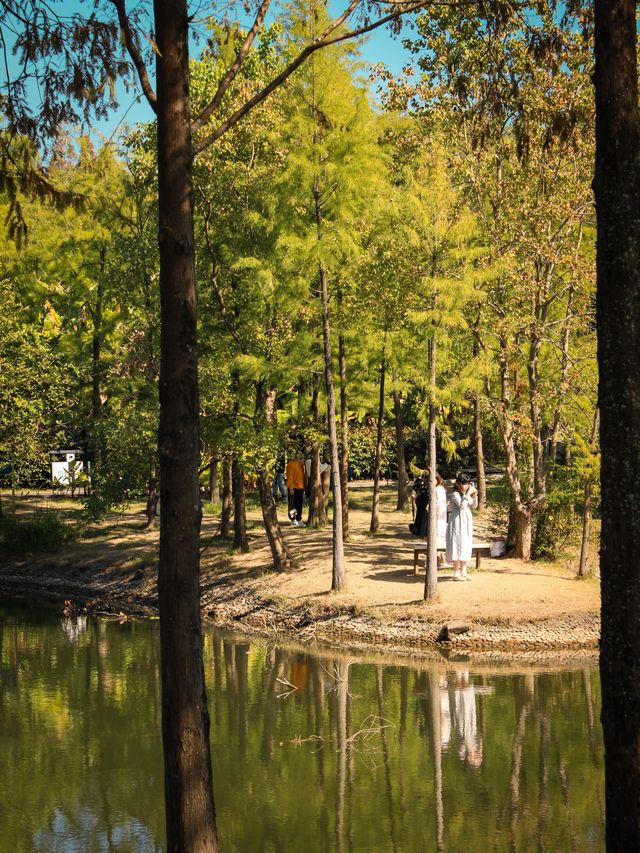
403	478
190	813
375	507
617	193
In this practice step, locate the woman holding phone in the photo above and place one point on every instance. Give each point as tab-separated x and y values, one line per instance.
460	527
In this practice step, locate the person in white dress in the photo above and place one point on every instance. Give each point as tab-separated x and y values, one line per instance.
460	527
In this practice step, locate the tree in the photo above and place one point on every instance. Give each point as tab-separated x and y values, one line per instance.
617	195
90	54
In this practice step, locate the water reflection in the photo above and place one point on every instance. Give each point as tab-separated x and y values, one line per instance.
312	752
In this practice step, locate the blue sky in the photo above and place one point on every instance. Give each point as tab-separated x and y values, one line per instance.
379	46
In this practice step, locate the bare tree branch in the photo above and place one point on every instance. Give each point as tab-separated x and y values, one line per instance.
321	41
134	53
231	74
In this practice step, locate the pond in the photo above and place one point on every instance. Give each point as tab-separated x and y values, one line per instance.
313	750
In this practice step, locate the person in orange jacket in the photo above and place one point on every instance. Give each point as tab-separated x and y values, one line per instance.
296	482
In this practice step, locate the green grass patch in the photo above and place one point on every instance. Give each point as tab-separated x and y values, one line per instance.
44	531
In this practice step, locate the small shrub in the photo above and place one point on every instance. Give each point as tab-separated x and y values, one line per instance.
44	531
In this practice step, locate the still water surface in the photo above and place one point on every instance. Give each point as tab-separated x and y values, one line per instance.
312	751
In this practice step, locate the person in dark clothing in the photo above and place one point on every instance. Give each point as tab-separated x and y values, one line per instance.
279	480
420	496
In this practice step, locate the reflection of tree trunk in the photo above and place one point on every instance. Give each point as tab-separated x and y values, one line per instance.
403	478
217	663
404	701
230	671
544	805
375	508
241	656
342	694
436	737
385	755
318	706
240	540
269	716
514	779
227	496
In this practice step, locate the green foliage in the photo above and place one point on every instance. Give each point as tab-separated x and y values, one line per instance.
46	530
362	450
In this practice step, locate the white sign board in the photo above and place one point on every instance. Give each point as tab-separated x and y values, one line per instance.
65	472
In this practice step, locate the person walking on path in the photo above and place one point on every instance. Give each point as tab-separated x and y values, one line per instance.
296	482
460	527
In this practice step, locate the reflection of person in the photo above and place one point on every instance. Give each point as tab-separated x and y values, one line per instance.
470	746
296	481
461	706
460	527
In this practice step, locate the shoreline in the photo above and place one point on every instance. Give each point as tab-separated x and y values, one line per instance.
508	607
330	624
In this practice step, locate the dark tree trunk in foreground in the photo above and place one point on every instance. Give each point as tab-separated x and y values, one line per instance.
375	507
403	479
190	813
617	194
431	577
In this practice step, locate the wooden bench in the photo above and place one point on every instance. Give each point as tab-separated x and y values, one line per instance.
421	547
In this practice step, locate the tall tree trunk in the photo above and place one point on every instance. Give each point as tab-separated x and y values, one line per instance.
586	510
403	478
214	485
188	786
617	194
477	431
375	507
314	485
564	374
227	496
266	415
344	428
152	493
96	343
240	540
431	577
477	437
338	573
